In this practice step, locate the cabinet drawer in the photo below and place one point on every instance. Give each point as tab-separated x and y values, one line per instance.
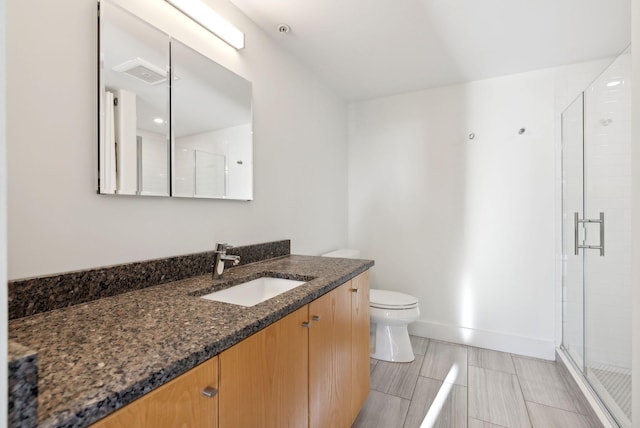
178	403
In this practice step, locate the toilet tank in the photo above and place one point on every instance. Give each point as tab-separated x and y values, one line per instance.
345	253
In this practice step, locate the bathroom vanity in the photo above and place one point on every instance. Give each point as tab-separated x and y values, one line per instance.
311	368
298	359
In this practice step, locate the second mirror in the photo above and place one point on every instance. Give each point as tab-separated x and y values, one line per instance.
212	154
134	93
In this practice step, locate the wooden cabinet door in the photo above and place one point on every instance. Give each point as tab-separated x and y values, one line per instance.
179	403
264	378
330	359
360	350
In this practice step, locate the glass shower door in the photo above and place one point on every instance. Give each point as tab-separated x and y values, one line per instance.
607	188
596	242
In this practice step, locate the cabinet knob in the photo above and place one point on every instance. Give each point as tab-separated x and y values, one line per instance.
355	290
316	317
209	392
306	324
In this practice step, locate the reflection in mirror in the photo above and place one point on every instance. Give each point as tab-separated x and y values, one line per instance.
212	128
134	110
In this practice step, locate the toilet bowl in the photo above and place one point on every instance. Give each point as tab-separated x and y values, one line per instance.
391	313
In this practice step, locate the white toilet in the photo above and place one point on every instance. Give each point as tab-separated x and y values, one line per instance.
391	312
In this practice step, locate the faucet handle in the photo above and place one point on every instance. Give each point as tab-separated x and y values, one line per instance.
221	247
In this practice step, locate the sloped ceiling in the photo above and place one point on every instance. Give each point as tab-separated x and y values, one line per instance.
370	48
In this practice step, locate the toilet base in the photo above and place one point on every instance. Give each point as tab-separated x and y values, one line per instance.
391	343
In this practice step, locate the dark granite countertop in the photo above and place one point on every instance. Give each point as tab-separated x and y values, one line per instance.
96	357
23	386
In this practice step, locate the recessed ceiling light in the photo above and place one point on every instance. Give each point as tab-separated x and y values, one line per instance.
614	83
283	28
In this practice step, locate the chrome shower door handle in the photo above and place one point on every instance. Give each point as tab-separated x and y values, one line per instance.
575	232
601	234
600	222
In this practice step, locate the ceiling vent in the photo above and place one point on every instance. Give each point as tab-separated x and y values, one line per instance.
143	70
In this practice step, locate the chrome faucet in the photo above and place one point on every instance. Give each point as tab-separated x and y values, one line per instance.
220	258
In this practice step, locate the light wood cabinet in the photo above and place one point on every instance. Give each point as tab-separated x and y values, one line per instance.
263	379
291	376
360	346
178	403
330	359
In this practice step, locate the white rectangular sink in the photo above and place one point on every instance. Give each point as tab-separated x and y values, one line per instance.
253	292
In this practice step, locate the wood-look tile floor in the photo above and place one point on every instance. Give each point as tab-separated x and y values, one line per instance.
450	386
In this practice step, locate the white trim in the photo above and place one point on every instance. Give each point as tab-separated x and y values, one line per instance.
635	204
505	342
3	212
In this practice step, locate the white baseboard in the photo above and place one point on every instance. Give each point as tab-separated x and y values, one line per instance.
521	345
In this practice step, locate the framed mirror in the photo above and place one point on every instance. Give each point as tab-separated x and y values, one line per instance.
134	105
212	153
172	121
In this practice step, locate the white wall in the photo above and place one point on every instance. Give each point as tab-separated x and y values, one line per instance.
3	219
154	163
56	220
239	180
234	143
467	226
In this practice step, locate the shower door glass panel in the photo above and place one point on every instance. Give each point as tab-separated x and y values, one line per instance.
607	279
572	202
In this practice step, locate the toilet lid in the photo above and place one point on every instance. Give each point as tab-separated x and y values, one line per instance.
385	299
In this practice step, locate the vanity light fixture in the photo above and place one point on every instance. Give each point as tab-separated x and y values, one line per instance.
205	16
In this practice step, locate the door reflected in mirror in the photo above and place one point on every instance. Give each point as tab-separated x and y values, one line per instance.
212	128
134	98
